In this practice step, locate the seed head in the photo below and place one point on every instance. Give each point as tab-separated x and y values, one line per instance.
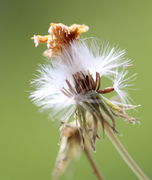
71	87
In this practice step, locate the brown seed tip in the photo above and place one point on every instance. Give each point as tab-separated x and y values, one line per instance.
59	35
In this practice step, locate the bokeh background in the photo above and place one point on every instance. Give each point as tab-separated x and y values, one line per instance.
28	139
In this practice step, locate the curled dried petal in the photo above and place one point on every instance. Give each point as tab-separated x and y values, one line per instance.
59	36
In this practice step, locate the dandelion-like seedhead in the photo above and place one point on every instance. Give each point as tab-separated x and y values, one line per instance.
71	85
74	76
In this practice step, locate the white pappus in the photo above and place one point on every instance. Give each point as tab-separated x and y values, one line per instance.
55	85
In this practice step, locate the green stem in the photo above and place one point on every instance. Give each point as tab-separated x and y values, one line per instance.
124	154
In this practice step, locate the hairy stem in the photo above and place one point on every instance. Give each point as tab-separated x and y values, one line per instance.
124	154
92	164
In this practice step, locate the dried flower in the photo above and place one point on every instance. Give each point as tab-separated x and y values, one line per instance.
69	148
71	87
59	35
71	144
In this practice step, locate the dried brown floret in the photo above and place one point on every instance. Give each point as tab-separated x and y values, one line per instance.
59	35
69	148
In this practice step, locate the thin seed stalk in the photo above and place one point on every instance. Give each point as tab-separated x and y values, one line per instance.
92	164
124	154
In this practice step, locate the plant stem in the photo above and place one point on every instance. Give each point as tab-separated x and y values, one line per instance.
124	154
92	163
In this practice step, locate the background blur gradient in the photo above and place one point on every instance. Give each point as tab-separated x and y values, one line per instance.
28	140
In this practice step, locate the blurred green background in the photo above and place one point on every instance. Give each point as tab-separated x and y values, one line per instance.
28	140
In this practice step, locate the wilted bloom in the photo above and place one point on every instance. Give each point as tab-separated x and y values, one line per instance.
59	35
71	144
69	147
71	84
71	87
